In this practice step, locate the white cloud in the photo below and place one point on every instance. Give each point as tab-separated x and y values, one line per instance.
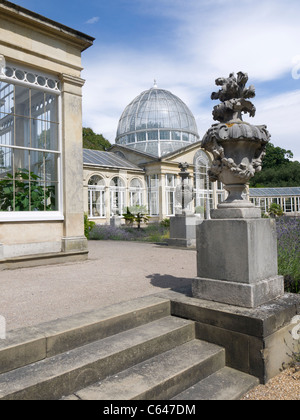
93	20
210	39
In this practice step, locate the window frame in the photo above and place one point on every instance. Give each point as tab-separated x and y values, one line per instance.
32	216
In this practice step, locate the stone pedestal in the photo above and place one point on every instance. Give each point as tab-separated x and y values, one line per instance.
183	230
237	260
73	244
116	221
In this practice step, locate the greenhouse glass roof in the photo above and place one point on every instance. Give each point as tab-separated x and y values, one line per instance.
275	192
157	122
106	159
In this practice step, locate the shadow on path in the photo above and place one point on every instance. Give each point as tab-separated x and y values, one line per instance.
172	283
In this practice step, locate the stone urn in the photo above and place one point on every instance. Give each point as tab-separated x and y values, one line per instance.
238	147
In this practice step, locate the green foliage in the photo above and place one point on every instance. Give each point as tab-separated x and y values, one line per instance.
25	193
288	236
165	223
275	210
128	216
276	156
88	226
138	214
278	170
94	141
287	175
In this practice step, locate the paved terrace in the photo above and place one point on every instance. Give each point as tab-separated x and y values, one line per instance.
115	272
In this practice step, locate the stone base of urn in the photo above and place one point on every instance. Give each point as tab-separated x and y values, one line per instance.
237	259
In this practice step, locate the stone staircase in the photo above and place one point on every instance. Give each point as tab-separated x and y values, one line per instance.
133	350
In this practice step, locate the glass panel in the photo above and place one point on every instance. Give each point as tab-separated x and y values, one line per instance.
37	165
51	107
176	135
170	180
22	101
170	203
185	137
44	135
165	135
22	131
131	138
96	180
141	136
6	129
5	161
51	194
152	135
37	104
51	167
97	203
6	98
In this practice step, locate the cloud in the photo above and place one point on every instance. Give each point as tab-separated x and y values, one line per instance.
93	20
207	39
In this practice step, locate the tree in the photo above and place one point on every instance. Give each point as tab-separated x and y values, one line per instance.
276	156
94	141
278	170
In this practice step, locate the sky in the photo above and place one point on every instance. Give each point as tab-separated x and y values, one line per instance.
185	45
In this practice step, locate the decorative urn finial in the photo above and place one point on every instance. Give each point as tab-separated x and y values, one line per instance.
238	148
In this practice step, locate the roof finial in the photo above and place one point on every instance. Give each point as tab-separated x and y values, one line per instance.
155	84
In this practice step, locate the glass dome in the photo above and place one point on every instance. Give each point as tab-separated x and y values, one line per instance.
157	122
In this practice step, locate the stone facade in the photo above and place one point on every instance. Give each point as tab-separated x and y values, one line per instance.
32	46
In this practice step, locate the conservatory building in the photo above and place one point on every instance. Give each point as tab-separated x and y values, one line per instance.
156	133
41	203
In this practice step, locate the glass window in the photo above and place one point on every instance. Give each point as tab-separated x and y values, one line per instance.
153	135
96	197
170	194
136	192
29	148
203	186
176	135
141	136
117	196
185	137
165	135
153	194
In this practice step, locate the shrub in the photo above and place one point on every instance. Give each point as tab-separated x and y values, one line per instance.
88	226
288	234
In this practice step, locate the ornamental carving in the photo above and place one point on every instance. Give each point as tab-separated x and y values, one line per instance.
238	147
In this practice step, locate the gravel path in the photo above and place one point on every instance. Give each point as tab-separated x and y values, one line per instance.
115	272
284	387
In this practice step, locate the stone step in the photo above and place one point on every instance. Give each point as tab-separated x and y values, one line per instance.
227	384
66	373
28	345
160	377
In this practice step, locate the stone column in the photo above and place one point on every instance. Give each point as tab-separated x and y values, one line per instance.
72	155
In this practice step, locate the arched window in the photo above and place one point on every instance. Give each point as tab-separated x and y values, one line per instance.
202	184
96	196
136	192
117	196
170	194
